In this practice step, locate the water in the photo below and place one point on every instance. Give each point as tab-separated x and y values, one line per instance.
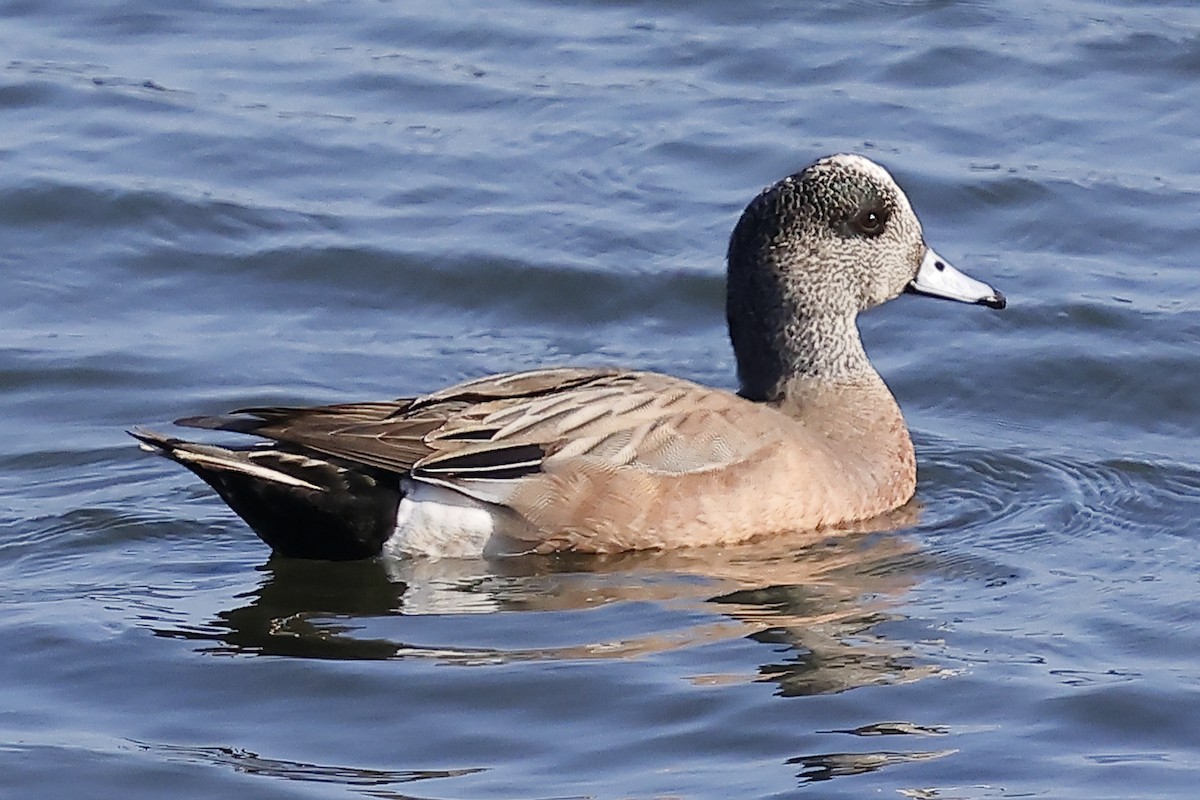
223	204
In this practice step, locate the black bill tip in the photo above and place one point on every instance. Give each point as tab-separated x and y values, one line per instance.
996	301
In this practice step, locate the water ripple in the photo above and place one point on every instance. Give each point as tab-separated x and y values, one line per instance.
254	764
1020	499
226	204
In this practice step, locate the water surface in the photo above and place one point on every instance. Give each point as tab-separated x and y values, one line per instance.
217	205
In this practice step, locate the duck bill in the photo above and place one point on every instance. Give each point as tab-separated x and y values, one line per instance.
937	278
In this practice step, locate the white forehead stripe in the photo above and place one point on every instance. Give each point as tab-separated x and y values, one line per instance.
864	164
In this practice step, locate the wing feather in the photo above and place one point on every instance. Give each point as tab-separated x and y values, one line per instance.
506	427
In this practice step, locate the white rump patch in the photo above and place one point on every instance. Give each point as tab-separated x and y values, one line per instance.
441	523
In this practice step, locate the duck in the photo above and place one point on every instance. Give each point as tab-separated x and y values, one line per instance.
602	460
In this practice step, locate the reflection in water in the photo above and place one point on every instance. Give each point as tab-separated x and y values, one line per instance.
817	605
254	764
835	765
895	729
819	601
825	766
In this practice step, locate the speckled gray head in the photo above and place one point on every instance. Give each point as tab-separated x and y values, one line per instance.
811	252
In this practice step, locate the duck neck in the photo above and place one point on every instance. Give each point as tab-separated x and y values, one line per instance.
812	367
777	356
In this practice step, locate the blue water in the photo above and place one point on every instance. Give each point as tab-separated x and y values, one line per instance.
223	204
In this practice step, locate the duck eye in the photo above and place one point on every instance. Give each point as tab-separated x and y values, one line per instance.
869	221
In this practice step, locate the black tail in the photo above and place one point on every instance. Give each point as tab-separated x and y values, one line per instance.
303	507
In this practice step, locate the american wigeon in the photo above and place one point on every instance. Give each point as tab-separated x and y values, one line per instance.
602	460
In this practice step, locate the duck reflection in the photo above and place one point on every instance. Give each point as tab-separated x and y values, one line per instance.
817	603
818	606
